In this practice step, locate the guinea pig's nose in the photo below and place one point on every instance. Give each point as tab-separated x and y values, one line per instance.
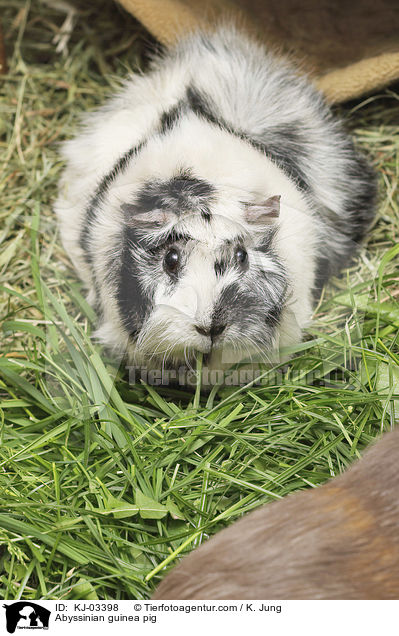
212	332
216	330
203	331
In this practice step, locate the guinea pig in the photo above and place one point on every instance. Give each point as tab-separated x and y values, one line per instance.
206	204
337	541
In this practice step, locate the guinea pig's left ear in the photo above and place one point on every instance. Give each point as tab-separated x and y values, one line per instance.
135	217
263	213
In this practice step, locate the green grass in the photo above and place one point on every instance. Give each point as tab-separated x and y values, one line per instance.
104	483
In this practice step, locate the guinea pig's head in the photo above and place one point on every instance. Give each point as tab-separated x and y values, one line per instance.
196	270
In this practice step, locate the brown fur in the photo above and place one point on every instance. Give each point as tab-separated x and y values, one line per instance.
339	541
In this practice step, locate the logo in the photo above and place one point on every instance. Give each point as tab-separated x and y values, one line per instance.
26	615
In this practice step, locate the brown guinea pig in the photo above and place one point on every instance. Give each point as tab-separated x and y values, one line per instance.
339	541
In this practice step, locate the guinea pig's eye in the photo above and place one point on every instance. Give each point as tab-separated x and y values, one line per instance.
171	261
241	256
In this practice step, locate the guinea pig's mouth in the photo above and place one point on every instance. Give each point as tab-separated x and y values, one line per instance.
208	345
205	347
223	358
170	343
173	354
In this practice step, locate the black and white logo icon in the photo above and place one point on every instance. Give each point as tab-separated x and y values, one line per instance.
26	615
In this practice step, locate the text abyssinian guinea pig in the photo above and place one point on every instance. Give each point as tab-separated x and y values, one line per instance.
338	541
206	204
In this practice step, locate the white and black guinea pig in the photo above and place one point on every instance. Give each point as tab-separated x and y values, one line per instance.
206	203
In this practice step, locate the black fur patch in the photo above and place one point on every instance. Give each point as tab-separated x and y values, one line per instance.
170	118
251	311
272	317
199	104
285	144
238	306
352	226
132	302
267	240
102	189
220	267
322	274
155	246
180	194
91	210
282	144
361	208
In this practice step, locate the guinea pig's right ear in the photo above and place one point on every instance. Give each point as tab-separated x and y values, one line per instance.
135	217
263	213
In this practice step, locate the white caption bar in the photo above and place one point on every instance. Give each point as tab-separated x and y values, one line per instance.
193	617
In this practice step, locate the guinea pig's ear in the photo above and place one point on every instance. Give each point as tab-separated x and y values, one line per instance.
135	217
263	213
